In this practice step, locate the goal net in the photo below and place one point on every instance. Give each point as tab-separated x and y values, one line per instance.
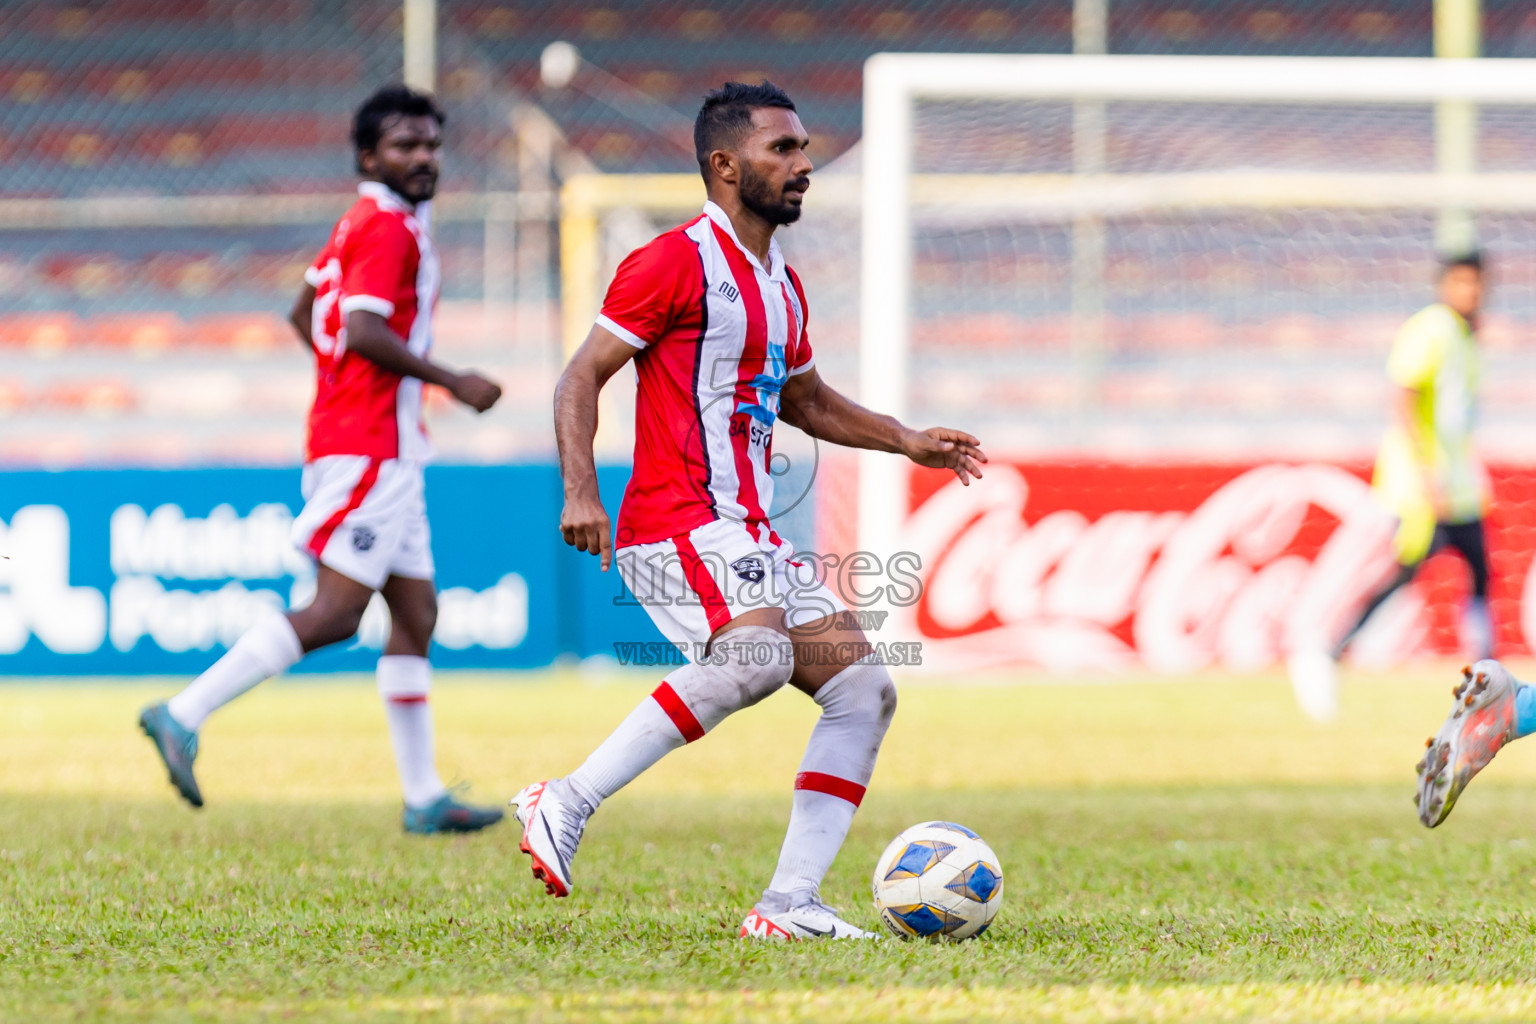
1143	262
1167	255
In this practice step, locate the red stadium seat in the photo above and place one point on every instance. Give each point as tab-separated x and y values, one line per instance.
43	334
13	395
143	334
248	334
102	396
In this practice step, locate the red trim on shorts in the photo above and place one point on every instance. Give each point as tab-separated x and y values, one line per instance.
365	483
676	710
417	699
831	785
703	584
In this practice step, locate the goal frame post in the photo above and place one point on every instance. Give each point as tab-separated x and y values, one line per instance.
894	82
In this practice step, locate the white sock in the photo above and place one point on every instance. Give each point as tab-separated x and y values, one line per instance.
645	736
689	702
267	648
1477	628
856	709
405	681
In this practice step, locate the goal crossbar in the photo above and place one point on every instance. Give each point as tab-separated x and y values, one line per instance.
893	83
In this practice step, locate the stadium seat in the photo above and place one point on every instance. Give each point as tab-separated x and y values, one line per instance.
143	334
245	334
39	334
102	396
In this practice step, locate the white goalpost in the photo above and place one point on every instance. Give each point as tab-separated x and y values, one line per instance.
1065	153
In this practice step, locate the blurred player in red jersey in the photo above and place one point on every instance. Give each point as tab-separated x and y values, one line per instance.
716	324
366	311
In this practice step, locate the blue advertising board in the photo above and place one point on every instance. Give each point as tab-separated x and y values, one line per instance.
134	571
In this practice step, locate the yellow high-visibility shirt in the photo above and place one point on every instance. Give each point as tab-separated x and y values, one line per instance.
1436	355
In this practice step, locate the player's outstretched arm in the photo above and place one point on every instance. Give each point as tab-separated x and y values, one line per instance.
583	522
303	315
812	405
369	335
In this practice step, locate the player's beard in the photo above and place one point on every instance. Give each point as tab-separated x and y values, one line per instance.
421	188
759	195
414	188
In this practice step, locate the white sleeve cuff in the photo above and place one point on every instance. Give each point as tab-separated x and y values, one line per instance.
368	304
803	366
312	276
622	333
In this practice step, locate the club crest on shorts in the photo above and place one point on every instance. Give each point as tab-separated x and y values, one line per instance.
363	538
749	568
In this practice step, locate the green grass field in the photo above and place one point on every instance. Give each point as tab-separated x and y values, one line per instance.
1174	851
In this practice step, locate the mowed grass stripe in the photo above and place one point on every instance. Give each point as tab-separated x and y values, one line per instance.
1137	886
847	1004
306	740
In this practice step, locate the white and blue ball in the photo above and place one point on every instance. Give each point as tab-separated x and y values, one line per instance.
938	881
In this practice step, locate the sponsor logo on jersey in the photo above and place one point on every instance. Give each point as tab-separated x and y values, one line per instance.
728	290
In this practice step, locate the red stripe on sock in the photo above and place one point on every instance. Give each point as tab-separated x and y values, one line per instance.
676	710
416	699
831	785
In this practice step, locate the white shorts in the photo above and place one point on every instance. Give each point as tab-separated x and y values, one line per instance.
365	518
695	583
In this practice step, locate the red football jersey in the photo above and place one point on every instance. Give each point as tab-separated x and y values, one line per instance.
379	258
720	335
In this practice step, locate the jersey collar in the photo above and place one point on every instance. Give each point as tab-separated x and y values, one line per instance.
389	199
722	220
385	196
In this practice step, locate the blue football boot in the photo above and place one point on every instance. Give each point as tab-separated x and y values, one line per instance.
448	814
177	746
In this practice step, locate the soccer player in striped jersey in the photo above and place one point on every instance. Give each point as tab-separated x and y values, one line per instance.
366	312
716	324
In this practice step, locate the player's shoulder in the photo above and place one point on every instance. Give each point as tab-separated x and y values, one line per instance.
672	254
674	244
794	279
368	219
1436	318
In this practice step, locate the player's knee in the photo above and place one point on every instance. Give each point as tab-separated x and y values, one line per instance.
756	660
887	697
327	621
341	624
415	624
864	691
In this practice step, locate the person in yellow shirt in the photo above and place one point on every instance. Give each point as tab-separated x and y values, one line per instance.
1427	473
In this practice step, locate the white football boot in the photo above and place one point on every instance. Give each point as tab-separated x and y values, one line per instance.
1482	720
810	920
553	820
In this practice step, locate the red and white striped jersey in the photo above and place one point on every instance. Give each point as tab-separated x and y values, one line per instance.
720	334
379	258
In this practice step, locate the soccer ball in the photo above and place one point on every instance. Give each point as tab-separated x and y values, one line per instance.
938	881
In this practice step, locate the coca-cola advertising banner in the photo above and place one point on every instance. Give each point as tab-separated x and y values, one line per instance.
1179	567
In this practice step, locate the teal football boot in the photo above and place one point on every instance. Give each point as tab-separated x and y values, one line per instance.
448	814
177	746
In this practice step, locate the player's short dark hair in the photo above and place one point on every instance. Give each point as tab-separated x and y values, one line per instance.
726	116
1467	258
393	100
